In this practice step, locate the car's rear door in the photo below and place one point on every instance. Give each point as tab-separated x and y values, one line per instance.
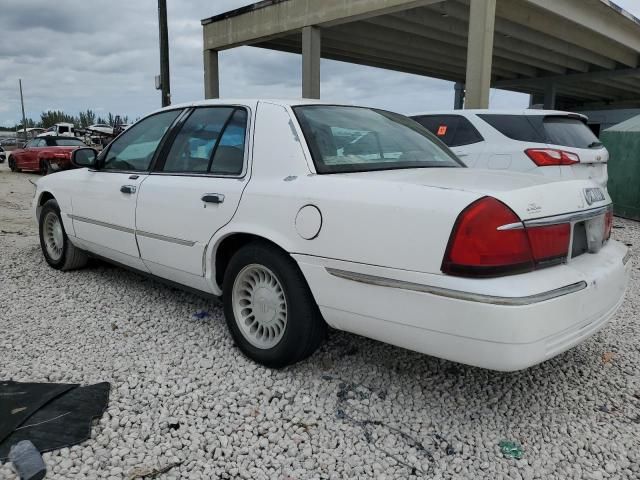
194	190
104	200
27	159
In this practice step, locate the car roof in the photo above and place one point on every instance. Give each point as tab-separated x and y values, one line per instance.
245	101
527	111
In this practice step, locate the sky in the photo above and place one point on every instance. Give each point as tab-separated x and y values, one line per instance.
74	55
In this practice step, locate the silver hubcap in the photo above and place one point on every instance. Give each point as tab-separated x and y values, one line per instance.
259	306
53	236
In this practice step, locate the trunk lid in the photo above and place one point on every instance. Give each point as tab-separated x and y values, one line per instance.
529	196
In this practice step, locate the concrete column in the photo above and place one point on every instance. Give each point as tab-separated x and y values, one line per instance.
458	102
211	74
311	62
482	18
550	96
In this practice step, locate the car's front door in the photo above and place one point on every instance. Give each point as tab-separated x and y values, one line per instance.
27	159
104	200
193	191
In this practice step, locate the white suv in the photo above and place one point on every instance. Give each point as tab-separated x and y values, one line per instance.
550	143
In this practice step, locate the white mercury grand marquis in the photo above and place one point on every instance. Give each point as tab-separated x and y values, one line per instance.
303	214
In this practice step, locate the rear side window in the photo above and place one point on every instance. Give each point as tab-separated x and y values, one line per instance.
453	130
210	141
516	127
569	132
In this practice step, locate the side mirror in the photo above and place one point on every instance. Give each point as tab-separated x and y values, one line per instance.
84	157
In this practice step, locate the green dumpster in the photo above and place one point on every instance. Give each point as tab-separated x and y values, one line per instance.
623	143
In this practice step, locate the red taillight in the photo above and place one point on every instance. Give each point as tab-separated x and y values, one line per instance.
490	240
546	157
549	243
608	224
478	248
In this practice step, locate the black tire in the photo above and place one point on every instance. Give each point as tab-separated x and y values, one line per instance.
12	165
305	328
45	167
71	257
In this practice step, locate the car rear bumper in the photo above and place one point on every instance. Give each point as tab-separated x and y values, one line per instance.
549	312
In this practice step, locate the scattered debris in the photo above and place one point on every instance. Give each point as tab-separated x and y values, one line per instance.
150	472
114	326
607	357
356	391
201	315
511	449
27	461
604	408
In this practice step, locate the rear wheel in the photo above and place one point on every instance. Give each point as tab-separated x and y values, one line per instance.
12	165
269	308
58	251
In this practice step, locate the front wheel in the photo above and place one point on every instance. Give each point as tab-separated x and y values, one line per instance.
58	251
12	165
45	167
269	308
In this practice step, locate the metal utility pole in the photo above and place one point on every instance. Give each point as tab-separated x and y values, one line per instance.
24	118
164	53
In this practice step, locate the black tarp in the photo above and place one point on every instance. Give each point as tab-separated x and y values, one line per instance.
51	415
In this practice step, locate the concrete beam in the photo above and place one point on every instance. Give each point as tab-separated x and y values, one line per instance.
385	38
211	74
573	78
480	53
605	21
283	18
311	38
429	26
513	33
370	60
548	17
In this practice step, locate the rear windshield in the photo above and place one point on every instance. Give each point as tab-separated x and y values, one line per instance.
69	142
355	139
569	132
554	130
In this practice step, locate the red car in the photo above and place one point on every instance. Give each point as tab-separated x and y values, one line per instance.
44	154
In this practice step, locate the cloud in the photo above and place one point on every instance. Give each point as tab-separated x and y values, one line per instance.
78	54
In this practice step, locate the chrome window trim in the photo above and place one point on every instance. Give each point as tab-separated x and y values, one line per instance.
457	294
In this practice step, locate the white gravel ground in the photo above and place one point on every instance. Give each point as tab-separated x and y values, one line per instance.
182	393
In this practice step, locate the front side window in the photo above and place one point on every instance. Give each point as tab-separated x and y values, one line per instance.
355	139
210	141
134	149
32	143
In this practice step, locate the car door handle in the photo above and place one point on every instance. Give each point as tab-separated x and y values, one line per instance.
128	189
213	198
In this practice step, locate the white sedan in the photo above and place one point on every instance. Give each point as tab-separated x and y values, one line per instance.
302	215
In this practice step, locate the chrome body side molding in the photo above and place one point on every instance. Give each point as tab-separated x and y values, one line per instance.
155	236
457	294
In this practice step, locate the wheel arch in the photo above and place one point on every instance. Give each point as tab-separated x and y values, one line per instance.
228	244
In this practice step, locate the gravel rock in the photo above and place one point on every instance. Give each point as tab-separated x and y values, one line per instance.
184	395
